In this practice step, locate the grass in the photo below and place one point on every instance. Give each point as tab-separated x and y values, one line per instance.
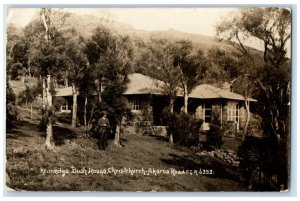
26	156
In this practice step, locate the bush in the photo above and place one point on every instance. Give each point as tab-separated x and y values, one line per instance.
184	127
12	115
58	102
259	163
12	112
214	137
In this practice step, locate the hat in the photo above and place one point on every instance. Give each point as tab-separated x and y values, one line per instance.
103	113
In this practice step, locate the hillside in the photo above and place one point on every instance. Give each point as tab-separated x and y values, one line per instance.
32	168
85	24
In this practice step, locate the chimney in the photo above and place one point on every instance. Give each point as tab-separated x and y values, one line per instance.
226	86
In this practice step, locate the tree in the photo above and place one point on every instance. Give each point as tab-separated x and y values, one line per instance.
87	88
272	27
192	66
12	112
15	48
44	52
74	62
96	48
110	55
29	95
158	62
244	86
224	66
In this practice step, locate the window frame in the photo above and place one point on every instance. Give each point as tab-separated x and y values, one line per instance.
205	110
233	113
135	103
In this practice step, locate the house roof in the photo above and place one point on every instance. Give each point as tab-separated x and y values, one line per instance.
64	91
206	91
142	84
138	84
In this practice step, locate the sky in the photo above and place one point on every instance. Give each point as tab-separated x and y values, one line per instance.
191	20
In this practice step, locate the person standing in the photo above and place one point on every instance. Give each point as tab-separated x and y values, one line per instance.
103	128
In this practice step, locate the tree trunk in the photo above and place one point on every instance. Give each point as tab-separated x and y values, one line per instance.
100	91
48	94
44	94
171	138
29	72
49	135
74	112
247	119
185	94
172	105
84	114
117	136
66	82
31	111
171	110
47	97
49	131
87	131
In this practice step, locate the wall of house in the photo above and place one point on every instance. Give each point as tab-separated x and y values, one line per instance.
66	104
142	121
146	120
231	128
219	115
199	112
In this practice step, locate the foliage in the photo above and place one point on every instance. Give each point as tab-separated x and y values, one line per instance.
58	102
257	165
110	55
224	66
177	64
17	70
12	112
184	127
272	27
192	63
214	137
13	65
157	62
73	60
30	94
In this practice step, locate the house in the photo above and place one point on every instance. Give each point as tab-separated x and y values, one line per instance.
67	94
147	98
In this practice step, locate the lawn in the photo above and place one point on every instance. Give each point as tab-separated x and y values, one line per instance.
27	159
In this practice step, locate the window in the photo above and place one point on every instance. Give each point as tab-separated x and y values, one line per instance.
233	111
135	103
207	112
65	107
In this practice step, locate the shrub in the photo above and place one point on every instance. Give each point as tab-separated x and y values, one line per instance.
214	137
58	102
184	127
12	112
12	115
259	163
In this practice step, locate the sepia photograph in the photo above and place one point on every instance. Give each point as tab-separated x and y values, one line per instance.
148	99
